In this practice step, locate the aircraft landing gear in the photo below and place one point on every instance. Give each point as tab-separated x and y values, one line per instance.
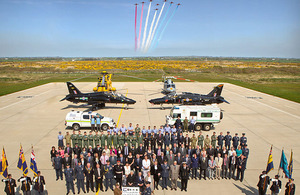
98	106
126	107
161	107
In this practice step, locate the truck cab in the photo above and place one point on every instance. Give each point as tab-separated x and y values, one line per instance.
205	116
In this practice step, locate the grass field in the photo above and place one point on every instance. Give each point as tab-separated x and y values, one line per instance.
281	79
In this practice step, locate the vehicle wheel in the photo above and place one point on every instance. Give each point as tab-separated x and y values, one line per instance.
76	127
104	127
207	127
198	127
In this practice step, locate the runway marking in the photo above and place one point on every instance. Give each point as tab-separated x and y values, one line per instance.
298	117
79	78
23	100
121	110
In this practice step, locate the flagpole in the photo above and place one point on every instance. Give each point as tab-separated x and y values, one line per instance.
280	162
268	157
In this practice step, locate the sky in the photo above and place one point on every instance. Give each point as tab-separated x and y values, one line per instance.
105	28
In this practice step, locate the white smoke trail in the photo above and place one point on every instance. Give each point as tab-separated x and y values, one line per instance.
146	25
150	31
155	27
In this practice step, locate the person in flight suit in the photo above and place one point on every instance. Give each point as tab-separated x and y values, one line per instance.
214	140
102	138
194	141
85	139
91	139
74	139
96	139
79	139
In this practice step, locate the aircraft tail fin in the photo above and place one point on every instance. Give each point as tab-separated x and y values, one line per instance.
72	89
216	91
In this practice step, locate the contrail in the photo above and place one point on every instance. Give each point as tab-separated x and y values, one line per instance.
162	32
146	24
135	27
141	23
150	31
155	27
161	23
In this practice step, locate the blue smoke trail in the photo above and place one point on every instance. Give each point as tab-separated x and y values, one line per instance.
162	32
161	23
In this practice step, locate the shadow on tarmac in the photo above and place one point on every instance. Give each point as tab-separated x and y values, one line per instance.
247	189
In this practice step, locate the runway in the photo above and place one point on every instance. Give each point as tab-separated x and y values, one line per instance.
35	116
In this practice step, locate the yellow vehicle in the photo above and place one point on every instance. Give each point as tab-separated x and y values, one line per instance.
104	83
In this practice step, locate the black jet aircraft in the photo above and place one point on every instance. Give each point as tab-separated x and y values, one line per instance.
96	99
187	98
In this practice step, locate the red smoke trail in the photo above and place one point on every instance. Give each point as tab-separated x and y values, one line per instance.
135	26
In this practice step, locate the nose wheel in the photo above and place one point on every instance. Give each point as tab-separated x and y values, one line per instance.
161	107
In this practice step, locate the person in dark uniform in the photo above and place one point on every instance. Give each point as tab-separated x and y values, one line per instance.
228	140
26	183
184	175
147	191
235	141
178	123
58	166
276	185
39	183
264	181
167	140
203	163
243	140
89	173
118	171
245	152
108	169
290	187
241	167
99	172
10	185
79	172
156	172
69	176
220	140
165	174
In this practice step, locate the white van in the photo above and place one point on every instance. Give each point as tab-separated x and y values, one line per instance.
78	119
206	116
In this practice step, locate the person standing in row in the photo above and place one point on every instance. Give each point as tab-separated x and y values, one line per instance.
214	140
184	175
276	185
60	140
69	176
174	174
79	139
98	123
68	138
89	173
93	122
290	187
39	183
10	185
74	139
79	172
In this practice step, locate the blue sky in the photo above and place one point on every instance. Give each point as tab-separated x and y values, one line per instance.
100	28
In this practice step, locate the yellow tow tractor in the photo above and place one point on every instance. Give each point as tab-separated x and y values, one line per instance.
104	83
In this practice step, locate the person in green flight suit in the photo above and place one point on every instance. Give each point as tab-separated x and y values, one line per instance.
121	139
214	140
127	138
134	139
140	138
115	140
109	139
79	139
85	140
96	138
137	129
91	139
74	139
102	138
200	140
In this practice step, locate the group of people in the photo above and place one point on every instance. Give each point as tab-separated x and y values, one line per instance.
265	181
28	185
139	156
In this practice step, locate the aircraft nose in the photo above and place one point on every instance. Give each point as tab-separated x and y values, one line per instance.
130	101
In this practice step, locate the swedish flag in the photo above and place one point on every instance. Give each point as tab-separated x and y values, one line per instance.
3	165
22	165
270	165
33	166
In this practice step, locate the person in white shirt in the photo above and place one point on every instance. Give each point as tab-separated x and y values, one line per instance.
127	169
231	151
146	166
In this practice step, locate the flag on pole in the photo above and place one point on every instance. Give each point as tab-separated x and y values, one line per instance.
290	167
270	165
284	164
33	166
3	165
22	165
